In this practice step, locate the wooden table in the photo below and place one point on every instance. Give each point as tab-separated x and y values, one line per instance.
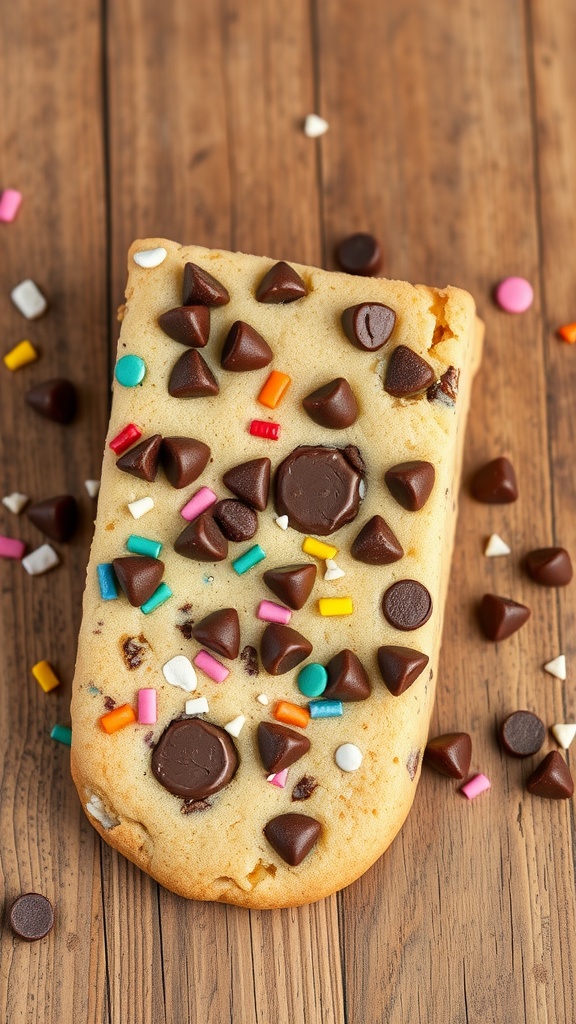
453	138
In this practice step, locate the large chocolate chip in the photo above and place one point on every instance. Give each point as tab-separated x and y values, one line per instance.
237	521
194	759
293	836
279	746
139	576
189	325
191	377
450	754
220	632
411	483
292	583
281	284
347	678
202	540
142	460
319	488
407	605
407	373
359	254
183	459
550	567
250	481
368	325
201	289
522	734
245	349
333	405
500	617
54	399
400	667
552	778
31	916
283	648
56	517
376	544
495	483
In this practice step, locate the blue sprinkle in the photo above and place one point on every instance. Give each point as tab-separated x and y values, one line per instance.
161	594
130	371
107	581
325	708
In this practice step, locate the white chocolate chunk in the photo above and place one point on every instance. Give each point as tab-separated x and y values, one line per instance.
333	571
150	258
564	733
315	126
236	725
557	667
140	507
495	547
197	706
96	808
15	502
282	522
92	486
40	560
28	298
179	671
348	757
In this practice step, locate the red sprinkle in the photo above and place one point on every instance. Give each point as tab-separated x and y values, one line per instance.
125	438
263	428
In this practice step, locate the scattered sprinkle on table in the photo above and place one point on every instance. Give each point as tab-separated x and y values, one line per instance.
44	674
495	547
22	354
62	734
315	126
10	200
179	671
150	258
16	502
514	294
29	300
40	560
348	757
92	487
557	667
568	333
140	507
130	371
11	548
473	788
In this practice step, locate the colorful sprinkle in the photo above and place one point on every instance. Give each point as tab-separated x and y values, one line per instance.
150	258
557	667
495	547
179	671
236	725
62	734
22	354
10	200
312	679
282	522
16	502
348	757
268	611
11	548
514	294
107	581
333	571
40	560
44	674
325	708
274	389
127	436
147	714
291	714
248	560
213	669
118	718
315	126
198	504
29	300
92	487
143	546
262	699
279	779
568	333
335	606
130	371
564	733
318	549
473	788
197	706
264	428
160	595
140	507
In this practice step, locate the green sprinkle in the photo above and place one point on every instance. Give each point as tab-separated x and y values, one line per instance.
143	546
62	734
248	560
130	371
161	594
312	680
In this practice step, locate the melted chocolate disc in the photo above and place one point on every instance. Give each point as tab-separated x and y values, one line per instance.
194	759
319	488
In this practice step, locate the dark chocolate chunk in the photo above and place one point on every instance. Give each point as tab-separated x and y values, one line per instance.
292	583
319	488
139	576
194	759
407	373
347	678
552	778
245	349
400	667
192	806
304	788
376	544
407	605
450	754
411	483
550	567
282	648
237	521
279	746
54	399
281	284
495	483
202	540
189	325
134	651
142	460
293	836
56	517
359	254
31	916
183	459
369	325
445	390
249	659
191	377
250	481
201	289
219	632
522	734
333	405
500	617
412	764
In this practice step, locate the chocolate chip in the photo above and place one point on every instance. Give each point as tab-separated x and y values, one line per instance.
550	567
249	659
192	806
237	521
142	460
552	778
54	399
134	651
400	667
347	678
359	254
245	349
202	540
281	284
522	734
318	489
376	544
500	617
31	916
220	632
201	289
407	605
139	576
411	483
183	459
333	405
56	517
292	583
279	746
304	788
407	373
445	390
250	481
189	325
292	836
282	648
194	759
191	377
450	754
369	325
495	483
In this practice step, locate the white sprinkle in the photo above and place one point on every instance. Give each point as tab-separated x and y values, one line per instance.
179	671
40	560
141	507
333	571
16	502
315	126
495	546
28	298
92	486
362	490
150	258
236	725
96	808
197	706
557	667
262	699
348	757
282	522
564	734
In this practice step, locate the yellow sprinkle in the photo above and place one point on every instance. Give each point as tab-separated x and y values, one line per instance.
45	676
335	606
318	549
20	355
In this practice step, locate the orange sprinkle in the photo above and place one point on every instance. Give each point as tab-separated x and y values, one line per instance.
568	333
274	389
291	714
118	718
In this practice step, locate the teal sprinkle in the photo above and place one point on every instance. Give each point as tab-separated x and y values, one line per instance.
130	371
143	546
107	581
93	690
62	734
325	708
248	560
161	594
312	680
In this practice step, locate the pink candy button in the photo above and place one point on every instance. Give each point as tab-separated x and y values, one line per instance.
514	294
10	201
147	714
10	548
473	788
268	611
214	669
198	504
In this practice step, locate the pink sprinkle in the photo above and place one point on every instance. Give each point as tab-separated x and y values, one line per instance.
125	438
10	548
10	201
215	669
264	428
475	786
271	612
279	779
198	504
514	294
147	706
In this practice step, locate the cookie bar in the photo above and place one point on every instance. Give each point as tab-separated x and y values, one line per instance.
263	607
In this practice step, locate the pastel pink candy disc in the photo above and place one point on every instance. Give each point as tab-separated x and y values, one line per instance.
514	294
